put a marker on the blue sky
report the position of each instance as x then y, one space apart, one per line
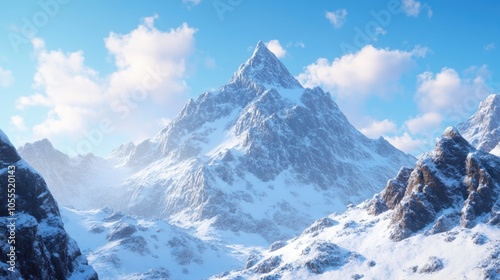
90 75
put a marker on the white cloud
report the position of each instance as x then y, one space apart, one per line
275 47
337 18
438 91
300 44
370 71
191 3
443 97
424 123
408 144
429 10
38 43
411 7
147 53
378 128
36 99
148 84
6 78
489 47
18 123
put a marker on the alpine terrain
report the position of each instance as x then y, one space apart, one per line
438 220
261 156
79 182
34 244
482 129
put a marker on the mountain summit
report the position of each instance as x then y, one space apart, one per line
482 129
241 158
261 155
266 69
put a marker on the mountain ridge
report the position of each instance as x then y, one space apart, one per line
427 216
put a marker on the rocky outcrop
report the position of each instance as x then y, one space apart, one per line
38 246
454 177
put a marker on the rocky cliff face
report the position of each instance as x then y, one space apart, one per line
454 184
34 242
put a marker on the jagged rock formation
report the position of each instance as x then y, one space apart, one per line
482 129
418 227
42 248
454 180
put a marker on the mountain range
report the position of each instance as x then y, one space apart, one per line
231 183
236 160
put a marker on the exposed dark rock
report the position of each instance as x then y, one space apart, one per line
120 231
267 265
453 176
320 225
43 249
153 274
396 188
252 260
479 239
326 255
434 264
277 245
444 223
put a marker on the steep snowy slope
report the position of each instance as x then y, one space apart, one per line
37 246
438 220
123 247
261 155
482 129
82 182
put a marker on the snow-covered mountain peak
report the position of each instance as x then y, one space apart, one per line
451 142
482 129
42 149
265 69
491 102
451 132
121 155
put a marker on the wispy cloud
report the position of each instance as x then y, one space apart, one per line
376 128
18 123
411 7
489 47
275 47
191 3
6 78
337 18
